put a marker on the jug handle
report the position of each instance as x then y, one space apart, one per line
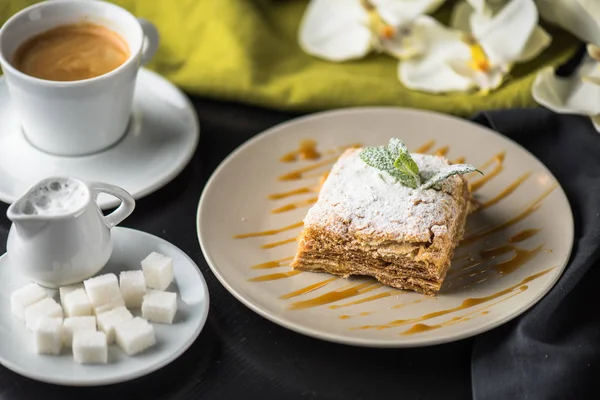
123 211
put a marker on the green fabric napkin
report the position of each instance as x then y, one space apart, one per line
247 50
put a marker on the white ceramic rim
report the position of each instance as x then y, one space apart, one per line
133 53
299 328
128 376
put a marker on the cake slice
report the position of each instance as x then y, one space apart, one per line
366 222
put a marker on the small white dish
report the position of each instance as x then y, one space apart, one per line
131 246
161 139
514 251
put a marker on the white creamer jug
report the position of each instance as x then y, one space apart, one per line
59 235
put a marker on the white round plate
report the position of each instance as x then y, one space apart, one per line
160 141
532 222
131 246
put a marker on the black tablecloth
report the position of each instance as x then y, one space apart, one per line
551 352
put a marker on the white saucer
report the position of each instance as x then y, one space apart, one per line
131 246
515 249
160 141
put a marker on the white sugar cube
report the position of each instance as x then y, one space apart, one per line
135 336
90 347
77 304
65 290
24 297
48 335
159 306
108 320
133 287
103 290
44 308
76 324
158 271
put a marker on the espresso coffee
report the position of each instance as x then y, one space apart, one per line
71 53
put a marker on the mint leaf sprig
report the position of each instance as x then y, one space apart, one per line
397 161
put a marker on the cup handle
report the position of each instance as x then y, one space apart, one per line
151 40
123 211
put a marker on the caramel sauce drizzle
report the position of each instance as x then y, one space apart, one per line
442 151
309 288
505 192
269 232
299 173
273 277
279 243
362 314
478 184
336 295
294 206
410 303
293 192
306 151
467 303
520 257
425 147
494 251
366 299
273 264
420 328
530 209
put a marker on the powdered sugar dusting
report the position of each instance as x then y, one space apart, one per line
358 199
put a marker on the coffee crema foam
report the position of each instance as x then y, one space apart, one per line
71 53
56 197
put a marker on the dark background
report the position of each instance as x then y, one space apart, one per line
240 355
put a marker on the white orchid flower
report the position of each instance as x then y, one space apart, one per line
480 55
580 17
340 30
578 93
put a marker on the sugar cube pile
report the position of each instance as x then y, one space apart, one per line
95 313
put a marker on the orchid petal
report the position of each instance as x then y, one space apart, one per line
573 17
592 7
538 42
487 7
505 36
461 16
569 95
433 72
335 30
399 12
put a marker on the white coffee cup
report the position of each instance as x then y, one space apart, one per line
76 117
